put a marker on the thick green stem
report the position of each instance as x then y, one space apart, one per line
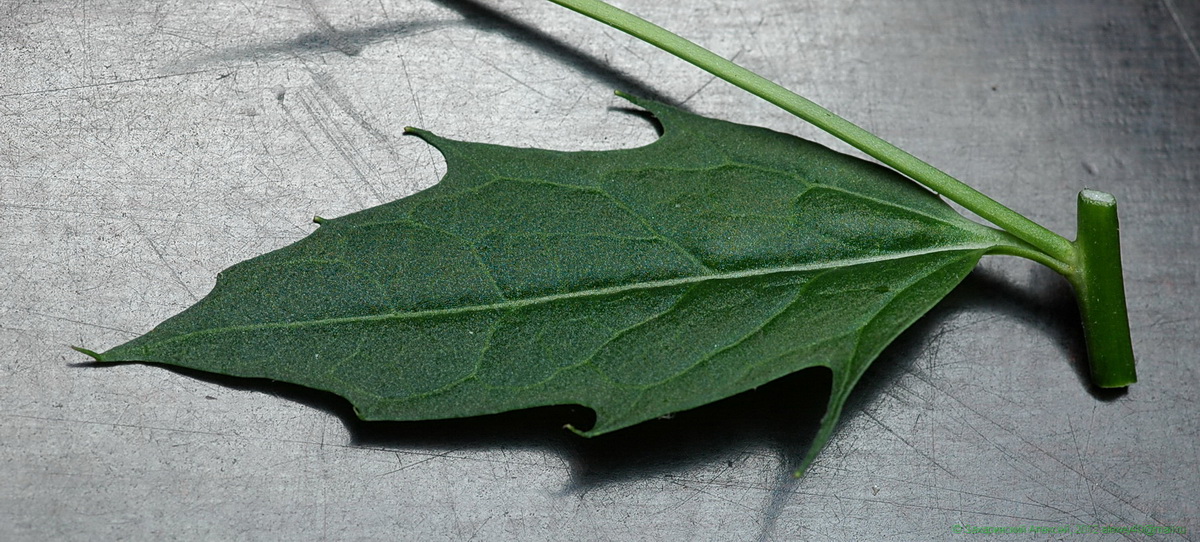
1100 291
1027 230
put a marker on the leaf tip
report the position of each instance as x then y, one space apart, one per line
419 132
426 136
807 462
95 356
649 105
571 428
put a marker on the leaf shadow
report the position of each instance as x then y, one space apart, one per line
779 418
782 416
1046 303
721 431
653 121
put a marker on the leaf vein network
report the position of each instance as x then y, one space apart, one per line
766 322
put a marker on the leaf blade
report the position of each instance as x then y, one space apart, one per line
636 282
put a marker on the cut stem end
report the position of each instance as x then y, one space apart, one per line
1100 291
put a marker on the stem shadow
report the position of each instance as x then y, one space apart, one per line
352 41
489 19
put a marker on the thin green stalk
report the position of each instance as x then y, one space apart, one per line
1023 228
1092 263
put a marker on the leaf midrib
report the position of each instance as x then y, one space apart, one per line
593 292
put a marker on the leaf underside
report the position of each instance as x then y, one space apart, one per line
634 282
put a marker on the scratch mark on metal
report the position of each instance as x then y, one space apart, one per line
910 504
80 322
513 77
919 451
408 81
1127 501
475 534
445 455
700 490
313 144
347 152
105 84
327 31
119 425
330 88
1079 455
1170 5
166 263
110 215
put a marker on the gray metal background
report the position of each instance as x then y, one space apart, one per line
146 145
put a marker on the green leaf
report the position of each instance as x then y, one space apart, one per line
634 282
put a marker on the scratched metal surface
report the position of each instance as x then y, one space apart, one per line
145 146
